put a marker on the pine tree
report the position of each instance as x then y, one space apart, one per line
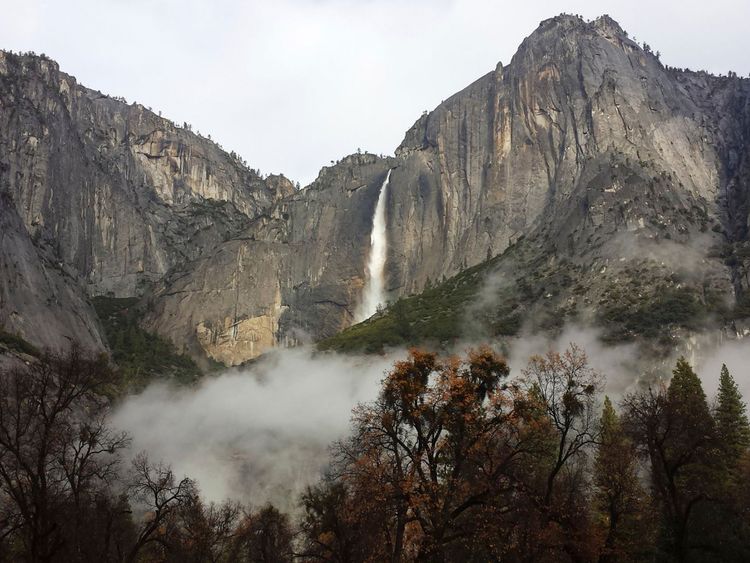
733 432
619 496
674 426
693 425
690 455
732 425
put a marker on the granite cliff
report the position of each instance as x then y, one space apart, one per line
584 179
585 144
115 193
295 274
606 187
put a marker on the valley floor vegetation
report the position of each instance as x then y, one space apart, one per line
454 461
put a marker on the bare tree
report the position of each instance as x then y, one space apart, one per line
263 537
567 389
157 491
54 449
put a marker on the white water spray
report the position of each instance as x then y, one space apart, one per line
374 292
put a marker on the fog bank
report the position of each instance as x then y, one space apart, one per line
263 433
255 435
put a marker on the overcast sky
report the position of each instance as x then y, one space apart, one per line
293 84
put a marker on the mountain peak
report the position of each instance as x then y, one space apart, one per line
562 20
608 25
582 145
563 24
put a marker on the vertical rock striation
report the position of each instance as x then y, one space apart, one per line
41 298
117 194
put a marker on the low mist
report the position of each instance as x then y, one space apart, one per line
618 363
254 435
263 433
626 365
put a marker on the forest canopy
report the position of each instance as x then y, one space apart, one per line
454 461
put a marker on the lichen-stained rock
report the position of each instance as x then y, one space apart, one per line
234 341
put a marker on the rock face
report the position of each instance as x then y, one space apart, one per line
41 298
124 194
523 141
584 143
584 138
119 194
294 274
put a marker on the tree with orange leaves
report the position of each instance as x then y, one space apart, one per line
428 466
455 461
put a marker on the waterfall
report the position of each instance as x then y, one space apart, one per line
374 291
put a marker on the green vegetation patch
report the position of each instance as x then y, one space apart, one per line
649 316
438 316
16 343
532 292
140 355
